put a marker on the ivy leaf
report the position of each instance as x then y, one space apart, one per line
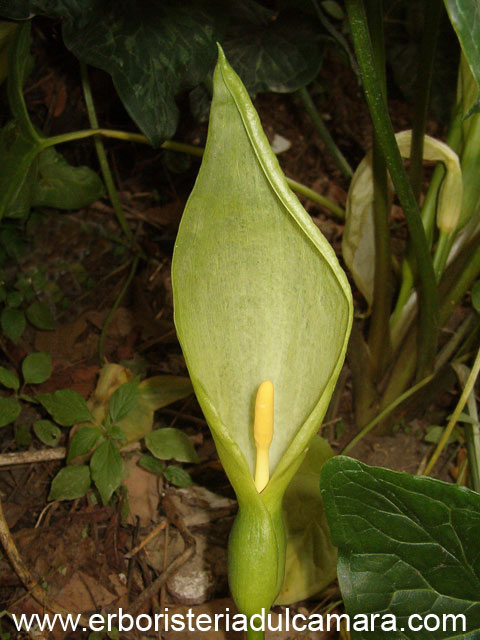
107 469
83 441
9 410
177 476
407 545
171 444
9 379
36 368
47 432
66 407
70 483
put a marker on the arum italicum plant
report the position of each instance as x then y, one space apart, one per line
261 305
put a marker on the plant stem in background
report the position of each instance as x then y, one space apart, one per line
379 330
324 134
386 139
102 156
458 410
433 10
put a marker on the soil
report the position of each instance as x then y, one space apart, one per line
78 551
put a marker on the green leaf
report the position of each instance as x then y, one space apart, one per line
40 316
258 293
62 186
9 410
116 433
465 18
311 561
123 401
476 296
107 469
47 432
151 464
13 324
177 476
36 368
82 442
171 444
9 379
66 407
280 54
160 391
14 299
407 545
23 435
70 483
152 54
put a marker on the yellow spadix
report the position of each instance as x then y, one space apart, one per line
263 433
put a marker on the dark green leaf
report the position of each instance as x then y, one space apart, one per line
62 186
282 55
70 483
14 299
40 316
152 54
13 323
465 18
311 558
171 444
407 545
177 476
83 441
9 410
36 368
151 464
107 469
476 296
124 400
13 242
66 407
9 379
47 432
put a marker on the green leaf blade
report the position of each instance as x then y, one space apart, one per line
47 432
171 444
66 407
9 411
83 441
70 483
124 400
407 545
9 379
36 368
107 469
13 324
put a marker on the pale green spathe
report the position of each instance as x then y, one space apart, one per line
258 290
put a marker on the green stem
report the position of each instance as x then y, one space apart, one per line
192 150
386 412
253 634
324 134
379 330
472 433
422 90
102 156
386 138
316 197
458 410
115 306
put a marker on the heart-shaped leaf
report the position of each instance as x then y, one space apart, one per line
407 545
